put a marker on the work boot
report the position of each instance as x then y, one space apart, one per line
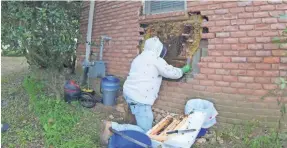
105 132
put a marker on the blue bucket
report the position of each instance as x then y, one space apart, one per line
202 132
116 141
110 86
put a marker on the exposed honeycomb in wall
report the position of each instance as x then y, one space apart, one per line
182 38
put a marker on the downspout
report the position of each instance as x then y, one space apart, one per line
89 32
87 63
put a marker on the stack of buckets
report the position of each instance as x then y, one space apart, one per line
110 86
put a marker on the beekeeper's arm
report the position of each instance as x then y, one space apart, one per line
168 71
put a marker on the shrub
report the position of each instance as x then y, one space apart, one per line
46 32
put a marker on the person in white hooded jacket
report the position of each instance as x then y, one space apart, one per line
143 83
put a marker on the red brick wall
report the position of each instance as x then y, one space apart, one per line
119 20
241 66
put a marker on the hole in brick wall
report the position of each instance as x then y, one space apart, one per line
143 25
196 58
201 51
141 10
205 18
205 30
194 13
179 43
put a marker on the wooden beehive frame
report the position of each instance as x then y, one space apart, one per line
169 123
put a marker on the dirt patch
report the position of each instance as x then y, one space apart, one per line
12 65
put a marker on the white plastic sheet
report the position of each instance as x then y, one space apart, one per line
203 106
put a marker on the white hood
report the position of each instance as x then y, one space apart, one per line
153 45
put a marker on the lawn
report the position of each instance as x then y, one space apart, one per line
25 130
37 119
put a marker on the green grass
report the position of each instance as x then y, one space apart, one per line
25 130
37 120
64 126
11 53
248 135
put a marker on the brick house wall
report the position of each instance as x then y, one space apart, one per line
119 20
242 63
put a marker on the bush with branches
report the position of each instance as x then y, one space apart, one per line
46 32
